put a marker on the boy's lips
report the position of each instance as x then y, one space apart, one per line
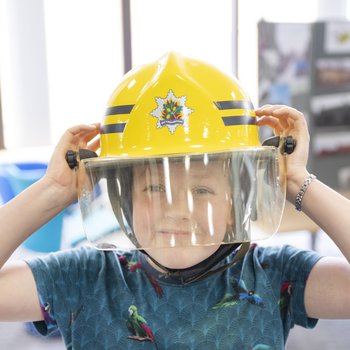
175 232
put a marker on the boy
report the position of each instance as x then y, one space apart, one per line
182 172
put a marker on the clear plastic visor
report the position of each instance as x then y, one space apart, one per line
182 201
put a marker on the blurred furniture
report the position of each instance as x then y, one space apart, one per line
307 66
6 192
16 177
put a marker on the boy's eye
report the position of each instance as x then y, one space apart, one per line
202 190
154 188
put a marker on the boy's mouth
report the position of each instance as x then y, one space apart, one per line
174 232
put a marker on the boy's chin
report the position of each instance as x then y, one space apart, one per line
179 258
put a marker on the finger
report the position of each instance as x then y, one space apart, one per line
72 134
82 138
90 140
73 137
267 109
296 120
273 109
94 145
88 135
75 130
272 122
289 117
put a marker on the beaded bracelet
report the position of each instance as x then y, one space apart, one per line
302 191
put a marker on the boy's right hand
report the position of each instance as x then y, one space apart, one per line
59 175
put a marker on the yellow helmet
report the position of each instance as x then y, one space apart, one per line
177 105
181 166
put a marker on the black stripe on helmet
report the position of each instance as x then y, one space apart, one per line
239 120
122 109
223 105
112 128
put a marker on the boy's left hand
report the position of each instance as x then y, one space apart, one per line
287 121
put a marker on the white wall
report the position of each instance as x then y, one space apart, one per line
85 59
60 61
197 28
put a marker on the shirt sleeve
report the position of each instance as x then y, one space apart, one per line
291 268
61 285
297 269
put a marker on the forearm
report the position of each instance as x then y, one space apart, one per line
26 213
329 210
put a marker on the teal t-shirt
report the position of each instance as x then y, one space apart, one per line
110 300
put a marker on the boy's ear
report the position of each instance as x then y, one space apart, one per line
232 214
230 220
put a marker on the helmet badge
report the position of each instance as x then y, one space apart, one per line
171 112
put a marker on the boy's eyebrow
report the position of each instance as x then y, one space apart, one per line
200 175
140 172
194 173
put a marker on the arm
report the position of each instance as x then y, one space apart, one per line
27 212
329 281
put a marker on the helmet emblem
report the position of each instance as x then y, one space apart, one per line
171 112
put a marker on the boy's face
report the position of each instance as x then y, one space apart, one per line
181 211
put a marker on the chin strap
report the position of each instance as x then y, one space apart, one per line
205 268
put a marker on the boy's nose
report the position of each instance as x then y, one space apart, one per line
179 204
